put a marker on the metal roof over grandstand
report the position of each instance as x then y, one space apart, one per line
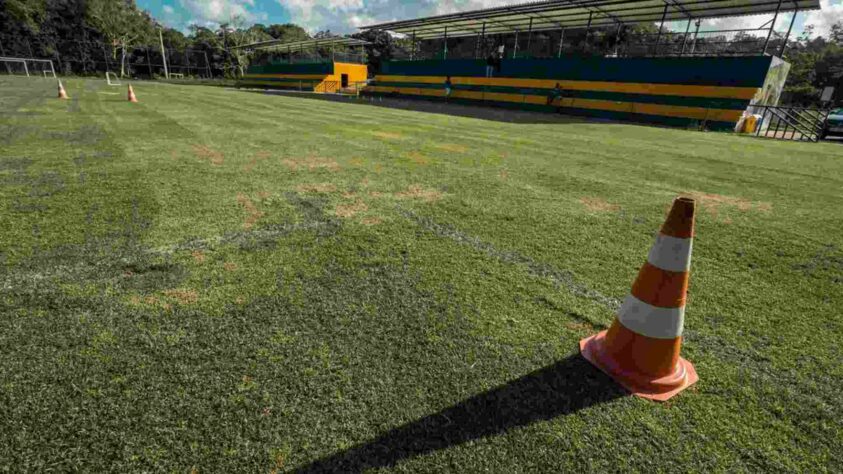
304 45
565 14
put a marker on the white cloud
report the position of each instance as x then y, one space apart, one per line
344 16
823 20
168 10
336 15
214 12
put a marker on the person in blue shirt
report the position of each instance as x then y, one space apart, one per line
555 94
448 87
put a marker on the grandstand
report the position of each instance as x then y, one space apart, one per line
585 58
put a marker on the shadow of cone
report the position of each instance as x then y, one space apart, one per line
132 97
641 349
62 93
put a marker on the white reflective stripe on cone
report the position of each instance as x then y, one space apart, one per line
651 321
671 254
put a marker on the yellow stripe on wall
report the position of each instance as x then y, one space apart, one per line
623 87
286 76
699 113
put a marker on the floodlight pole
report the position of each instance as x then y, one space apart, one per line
772 27
787 36
163 54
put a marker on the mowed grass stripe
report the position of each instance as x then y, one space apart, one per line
171 300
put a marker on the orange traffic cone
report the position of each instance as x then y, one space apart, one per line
62 93
132 97
641 349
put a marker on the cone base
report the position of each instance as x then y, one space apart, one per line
645 386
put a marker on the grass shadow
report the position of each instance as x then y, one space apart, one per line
557 390
433 106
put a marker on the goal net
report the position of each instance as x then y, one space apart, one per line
112 79
27 67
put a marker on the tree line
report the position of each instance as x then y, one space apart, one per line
93 36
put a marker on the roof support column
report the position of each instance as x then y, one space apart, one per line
482 51
661 28
561 41
588 27
530 35
618 40
445 45
696 33
515 49
772 26
413 47
787 36
685 38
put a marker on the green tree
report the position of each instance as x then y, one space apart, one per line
121 23
287 32
28 12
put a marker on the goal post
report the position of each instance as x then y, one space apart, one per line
112 79
28 67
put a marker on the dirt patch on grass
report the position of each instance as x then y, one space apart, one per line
372 221
316 188
263 195
416 191
260 156
581 327
375 194
252 212
503 174
311 163
598 205
182 296
418 158
230 266
351 210
198 256
452 147
713 203
388 135
205 153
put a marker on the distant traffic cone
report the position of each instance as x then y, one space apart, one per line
62 93
132 97
641 349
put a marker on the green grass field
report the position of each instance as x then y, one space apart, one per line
221 281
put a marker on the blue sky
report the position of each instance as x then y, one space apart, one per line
344 16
